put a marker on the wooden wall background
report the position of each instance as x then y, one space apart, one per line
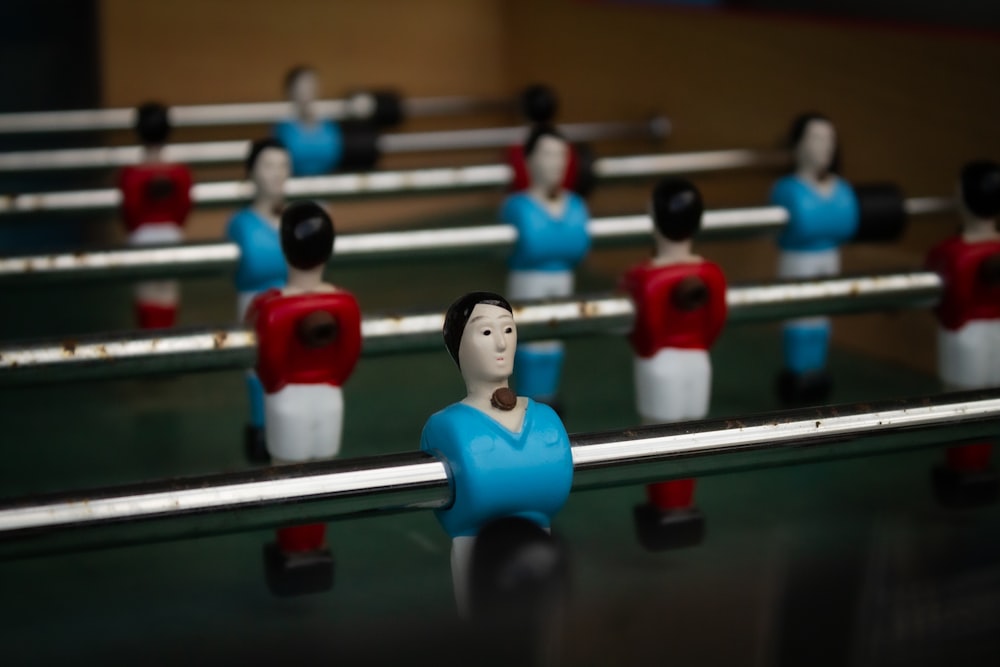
911 104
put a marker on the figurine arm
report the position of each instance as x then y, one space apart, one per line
717 305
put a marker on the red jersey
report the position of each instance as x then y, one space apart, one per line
970 292
678 305
155 193
284 353
515 158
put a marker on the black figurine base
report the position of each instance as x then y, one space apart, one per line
662 530
255 445
300 573
804 388
956 489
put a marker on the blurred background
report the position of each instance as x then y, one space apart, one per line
911 87
914 91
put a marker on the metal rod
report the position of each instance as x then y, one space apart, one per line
413 181
203 115
138 353
200 258
209 152
324 491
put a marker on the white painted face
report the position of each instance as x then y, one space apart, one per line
547 164
304 89
816 149
489 341
271 172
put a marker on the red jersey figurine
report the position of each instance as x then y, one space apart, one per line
156 200
308 342
969 331
680 309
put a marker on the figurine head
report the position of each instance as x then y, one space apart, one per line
307 235
481 337
979 188
539 104
269 167
546 153
301 85
676 208
152 124
813 142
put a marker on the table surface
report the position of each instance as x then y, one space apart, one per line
845 562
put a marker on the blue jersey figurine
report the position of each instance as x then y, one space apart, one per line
552 238
823 213
315 145
508 457
262 264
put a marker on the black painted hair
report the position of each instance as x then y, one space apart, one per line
537 132
152 124
539 104
307 235
458 316
798 130
258 147
293 75
677 209
980 182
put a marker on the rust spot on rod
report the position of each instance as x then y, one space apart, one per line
69 347
587 309
219 339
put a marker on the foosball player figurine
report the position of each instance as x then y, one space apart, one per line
509 461
320 145
539 105
156 200
969 331
680 306
308 341
261 264
552 239
825 212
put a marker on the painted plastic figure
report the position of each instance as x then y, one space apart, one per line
969 318
552 239
539 106
509 457
262 264
823 214
156 200
680 304
308 342
315 144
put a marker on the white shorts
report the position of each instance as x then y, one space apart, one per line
797 264
970 357
304 422
158 292
673 385
539 284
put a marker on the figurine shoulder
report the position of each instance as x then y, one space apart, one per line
515 207
441 428
239 223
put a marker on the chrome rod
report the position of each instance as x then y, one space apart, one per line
413 181
176 351
324 491
204 115
218 152
199 258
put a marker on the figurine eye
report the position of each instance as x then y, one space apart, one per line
487 332
509 330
